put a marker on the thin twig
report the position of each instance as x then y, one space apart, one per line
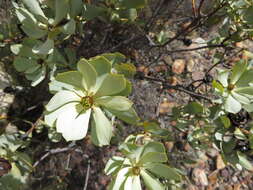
194 11
176 87
197 48
200 6
157 9
87 176
51 152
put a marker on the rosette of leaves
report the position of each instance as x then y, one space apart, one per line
35 66
85 97
57 18
146 162
236 87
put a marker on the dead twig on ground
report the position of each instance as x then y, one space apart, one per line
87 176
51 152
175 87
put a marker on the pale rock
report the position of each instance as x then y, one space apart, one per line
219 163
190 65
178 66
167 59
199 176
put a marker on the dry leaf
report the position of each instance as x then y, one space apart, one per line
213 177
166 106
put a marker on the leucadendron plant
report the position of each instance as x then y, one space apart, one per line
143 159
50 20
86 97
236 87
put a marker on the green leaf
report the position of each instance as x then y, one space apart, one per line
114 58
225 121
75 7
232 105
239 134
57 57
194 108
61 10
88 72
24 161
251 140
33 31
153 152
38 76
10 141
154 129
151 182
127 14
132 3
91 11
121 178
69 28
23 64
103 127
153 157
245 79
29 24
56 86
33 69
129 116
237 71
163 170
71 55
44 49
218 86
61 98
248 15
245 90
113 165
112 84
34 7
242 99
223 77
73 78
244 161
248 107
117 103
24 16
127 69
228 147
101 65
127 91
131 150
